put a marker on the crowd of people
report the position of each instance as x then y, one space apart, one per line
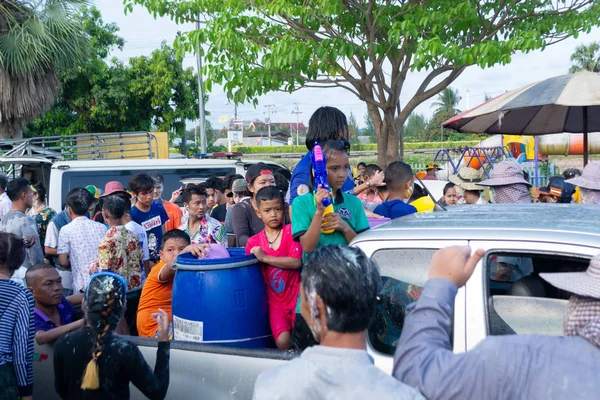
321 293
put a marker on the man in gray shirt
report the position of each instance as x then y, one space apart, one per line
17 222
338 297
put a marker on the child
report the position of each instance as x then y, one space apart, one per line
158 289
281 258
349 218
370 198
399 179
149 213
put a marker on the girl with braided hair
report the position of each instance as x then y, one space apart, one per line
95 363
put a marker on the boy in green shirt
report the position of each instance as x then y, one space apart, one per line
349 218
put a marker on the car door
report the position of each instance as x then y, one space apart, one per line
479 311
404 269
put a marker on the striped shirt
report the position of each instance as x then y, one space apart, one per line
16 332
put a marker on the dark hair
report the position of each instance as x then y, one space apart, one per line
157 178
125 198
12 251
32 269
79 200
3 181
114 206
418 192
214 183
175 234
191 190
347 281
140 183
269 193
571 173
16 187
326 123
229 179
371 169
41 190
281 182
473 192
285 173
331 146
397 174
448 186
361 164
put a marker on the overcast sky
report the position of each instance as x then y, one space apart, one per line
143 34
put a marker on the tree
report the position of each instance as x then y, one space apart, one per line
36 39
353 129
447 101
415 127
366 47
369 127
433 130
586 58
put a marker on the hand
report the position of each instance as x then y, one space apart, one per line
334 221
162 319
29 241
175 195
377 179
321 195
455 264
258 253
197 250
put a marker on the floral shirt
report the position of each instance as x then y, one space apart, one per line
120 252
42 217
210 231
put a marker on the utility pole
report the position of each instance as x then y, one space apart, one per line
201 96
270 110
297 112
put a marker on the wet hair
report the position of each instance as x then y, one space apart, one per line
125 198
12 251
114 206
269 193
347 281
31 270
371 169
571 173
229 179
16 187
175 234
41 190
448 186
104 306
141 183
361 164
418 192
214 183
157 178
397 174
79 200
191 190
332 148
281 182
326 123
3 181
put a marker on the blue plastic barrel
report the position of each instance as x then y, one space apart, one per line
222 301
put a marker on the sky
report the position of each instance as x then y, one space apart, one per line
143 34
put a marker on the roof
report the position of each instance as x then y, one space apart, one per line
556 223
152 163
255 141
266 133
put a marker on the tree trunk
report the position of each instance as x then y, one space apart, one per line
9 129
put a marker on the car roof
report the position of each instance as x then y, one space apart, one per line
560 223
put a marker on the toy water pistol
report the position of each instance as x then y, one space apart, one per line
320 174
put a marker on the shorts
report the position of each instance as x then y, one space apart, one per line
281 320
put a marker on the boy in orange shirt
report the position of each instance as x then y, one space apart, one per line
158 289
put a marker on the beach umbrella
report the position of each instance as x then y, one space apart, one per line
566 103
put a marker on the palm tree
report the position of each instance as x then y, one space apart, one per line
447 101
586 58
37 38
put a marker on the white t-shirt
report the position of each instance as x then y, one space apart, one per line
51 236
139 230
5 204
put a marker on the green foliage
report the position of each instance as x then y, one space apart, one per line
586 58
447 102
433 131
353 129
414 129
369 127
255 47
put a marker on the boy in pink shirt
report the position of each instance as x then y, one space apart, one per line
281 258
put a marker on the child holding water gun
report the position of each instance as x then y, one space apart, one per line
327 215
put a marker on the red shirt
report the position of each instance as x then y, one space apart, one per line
283 285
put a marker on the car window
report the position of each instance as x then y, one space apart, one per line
518 300
403 274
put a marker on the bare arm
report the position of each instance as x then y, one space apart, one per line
167 273
43 337
75 299
310 239
282 262
50 251
63 260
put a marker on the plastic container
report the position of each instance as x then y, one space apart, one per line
221 301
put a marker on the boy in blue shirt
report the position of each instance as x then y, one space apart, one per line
399 179
149 213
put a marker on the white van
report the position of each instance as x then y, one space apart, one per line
66 175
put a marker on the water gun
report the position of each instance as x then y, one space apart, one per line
320 174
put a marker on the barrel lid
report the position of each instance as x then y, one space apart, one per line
238 259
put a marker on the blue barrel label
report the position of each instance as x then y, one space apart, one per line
187 330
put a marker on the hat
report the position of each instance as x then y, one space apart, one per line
581 283
467 178
506 173
239 185
256 170
432 165
114 187
94 191
590 178
557 187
